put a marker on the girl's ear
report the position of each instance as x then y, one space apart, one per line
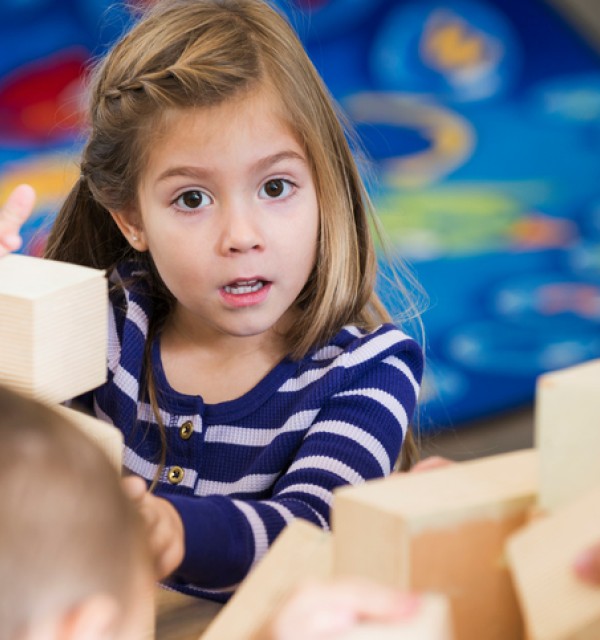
131 230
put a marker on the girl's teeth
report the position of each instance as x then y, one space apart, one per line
244 287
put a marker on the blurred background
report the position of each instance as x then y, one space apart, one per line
481 119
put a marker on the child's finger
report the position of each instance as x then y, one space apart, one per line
373 601
17 209
167 561
9 243
587 565
325 610
166 536
135 488
433 462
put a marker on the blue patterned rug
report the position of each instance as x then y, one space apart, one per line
482 120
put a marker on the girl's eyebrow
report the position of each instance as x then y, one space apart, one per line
265 163
260 165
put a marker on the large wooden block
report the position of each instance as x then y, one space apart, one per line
556 604
567 416
301 552
442 531
107 437
431 622
53 327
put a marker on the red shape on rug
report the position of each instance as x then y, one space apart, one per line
40 102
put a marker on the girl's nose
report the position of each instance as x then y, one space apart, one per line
240 232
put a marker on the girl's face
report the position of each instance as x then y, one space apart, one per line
229 213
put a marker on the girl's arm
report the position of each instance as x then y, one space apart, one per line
355 437
15 212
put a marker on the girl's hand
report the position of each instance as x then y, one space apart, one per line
17 209
163 525
322 611
587 565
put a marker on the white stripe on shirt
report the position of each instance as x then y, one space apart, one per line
362 354
146 414
136 314
395 362
326 463
242 436
384 398
284 512
138 465
114 346
358 435
317 515
253 483
126 383
147 470
310 489
353 330
328 352
261 539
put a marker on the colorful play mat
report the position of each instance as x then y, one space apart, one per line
482 120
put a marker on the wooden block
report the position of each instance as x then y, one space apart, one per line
107 437
301 552
567 415
555 603
443 531
53 327
431 622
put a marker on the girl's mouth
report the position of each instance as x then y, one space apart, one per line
246 293
244 287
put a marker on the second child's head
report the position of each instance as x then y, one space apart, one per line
219 153
73 562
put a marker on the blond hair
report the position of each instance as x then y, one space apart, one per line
68 531
195 53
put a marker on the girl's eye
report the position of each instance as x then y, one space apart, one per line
276 188
192 200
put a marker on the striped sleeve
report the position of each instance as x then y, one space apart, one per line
355 436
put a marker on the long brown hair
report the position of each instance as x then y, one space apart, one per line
195 53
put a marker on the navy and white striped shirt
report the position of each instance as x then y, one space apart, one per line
247 467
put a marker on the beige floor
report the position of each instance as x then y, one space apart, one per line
499 434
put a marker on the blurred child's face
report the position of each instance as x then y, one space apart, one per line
102 617
230 215
138 619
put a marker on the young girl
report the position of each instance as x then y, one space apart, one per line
252 368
